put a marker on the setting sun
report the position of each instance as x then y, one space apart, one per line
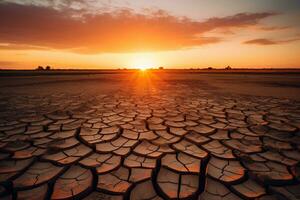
143 68
143 62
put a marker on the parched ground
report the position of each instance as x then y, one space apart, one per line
144 135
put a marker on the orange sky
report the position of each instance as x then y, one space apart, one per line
173 34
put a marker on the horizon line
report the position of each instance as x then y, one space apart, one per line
164 68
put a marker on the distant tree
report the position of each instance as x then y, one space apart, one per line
209 68
161 68
40 68
48 68
228 67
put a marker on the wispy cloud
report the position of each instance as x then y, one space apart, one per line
264 41
274 28
72 29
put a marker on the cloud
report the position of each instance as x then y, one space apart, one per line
122 30
10 46
264 41
274 28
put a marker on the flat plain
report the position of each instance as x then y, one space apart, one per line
155 134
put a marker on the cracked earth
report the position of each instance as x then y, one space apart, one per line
149 141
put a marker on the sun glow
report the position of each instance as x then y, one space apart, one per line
142 68
143 62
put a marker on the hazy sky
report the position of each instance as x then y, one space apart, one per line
144 33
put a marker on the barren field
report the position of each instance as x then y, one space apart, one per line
149 135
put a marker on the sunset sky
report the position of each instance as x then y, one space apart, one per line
91 34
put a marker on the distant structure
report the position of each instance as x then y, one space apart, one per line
209 68
40 68
161 68
228 67
48 68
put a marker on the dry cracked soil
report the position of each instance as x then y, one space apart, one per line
144 135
